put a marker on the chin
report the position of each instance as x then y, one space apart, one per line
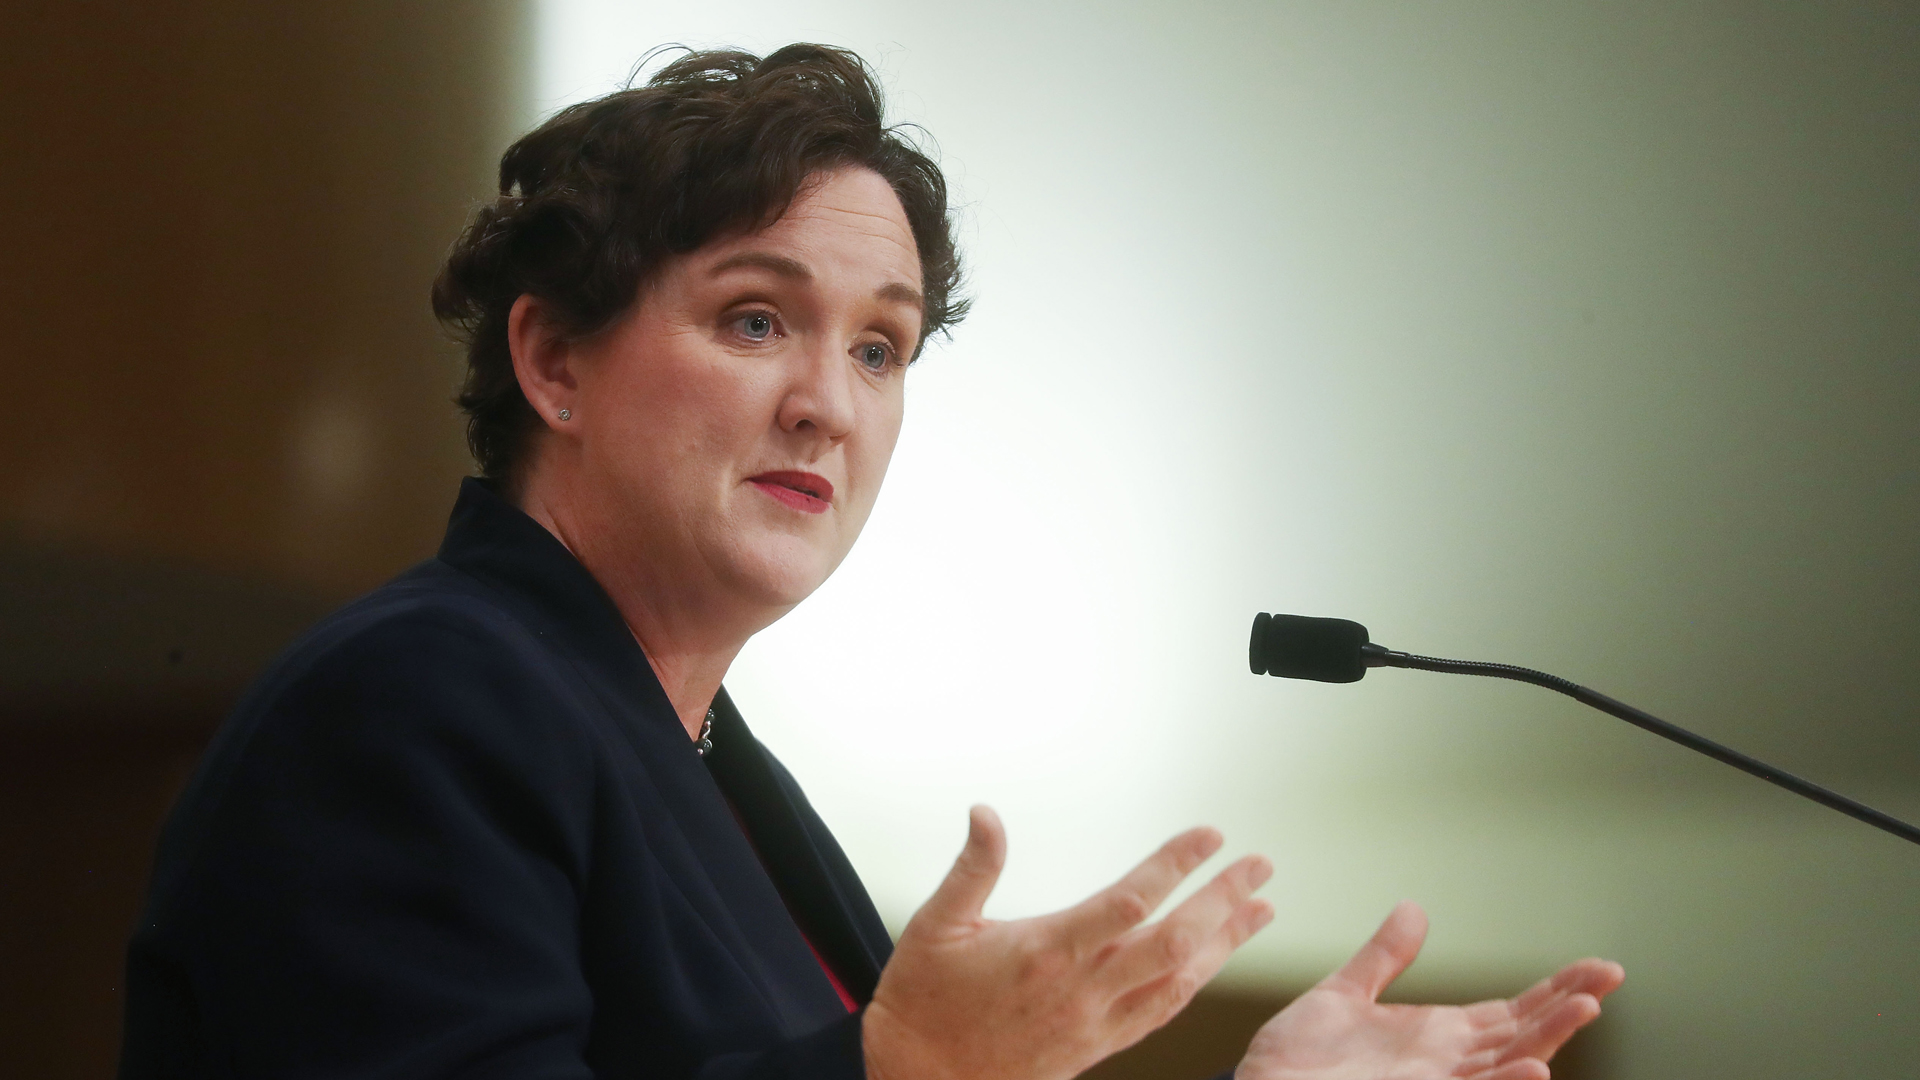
780 574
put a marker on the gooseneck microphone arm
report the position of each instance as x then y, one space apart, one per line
1377 656
1336 650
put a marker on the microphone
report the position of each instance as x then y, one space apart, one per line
1340 651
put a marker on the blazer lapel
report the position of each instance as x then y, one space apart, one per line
547 588
808 867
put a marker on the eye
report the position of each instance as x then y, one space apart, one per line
754 325
874 356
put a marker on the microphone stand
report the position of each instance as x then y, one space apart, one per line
1374 656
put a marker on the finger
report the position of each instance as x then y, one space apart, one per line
1520 1069
1498 1023
1492 1022
1611 976
1543 1036
1248 919
1539 1036
1385 956
1147 1007
960 897
1599 977
1589 976
1197 929
1126 903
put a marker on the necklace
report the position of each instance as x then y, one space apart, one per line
706 735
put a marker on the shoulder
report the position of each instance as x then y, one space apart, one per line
433 645
419 699
433 656
431 611
404 813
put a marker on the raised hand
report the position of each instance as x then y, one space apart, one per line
968 998
1338 1031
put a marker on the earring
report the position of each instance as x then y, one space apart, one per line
566 414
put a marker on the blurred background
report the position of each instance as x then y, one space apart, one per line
1585 337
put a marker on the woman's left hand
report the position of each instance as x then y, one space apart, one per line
1338 1031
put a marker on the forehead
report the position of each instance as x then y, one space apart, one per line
847 221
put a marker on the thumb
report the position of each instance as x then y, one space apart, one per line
1390 951
960 897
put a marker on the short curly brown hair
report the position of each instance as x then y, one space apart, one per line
592 201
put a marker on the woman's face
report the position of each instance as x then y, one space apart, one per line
735 426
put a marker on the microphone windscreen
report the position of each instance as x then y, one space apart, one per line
1298 647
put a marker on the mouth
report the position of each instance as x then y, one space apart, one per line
806 492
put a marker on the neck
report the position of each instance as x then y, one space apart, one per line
682 621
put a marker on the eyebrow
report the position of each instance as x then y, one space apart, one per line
902 294
779 264
895 291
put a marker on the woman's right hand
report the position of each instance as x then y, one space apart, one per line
968 998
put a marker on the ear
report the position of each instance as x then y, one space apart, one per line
543 361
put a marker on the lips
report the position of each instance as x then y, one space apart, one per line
804 491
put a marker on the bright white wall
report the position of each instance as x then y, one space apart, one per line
1575 337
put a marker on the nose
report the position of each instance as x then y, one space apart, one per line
819 396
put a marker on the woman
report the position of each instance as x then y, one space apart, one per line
499 817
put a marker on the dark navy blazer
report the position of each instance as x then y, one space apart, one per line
457 830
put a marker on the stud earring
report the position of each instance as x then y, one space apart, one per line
566 414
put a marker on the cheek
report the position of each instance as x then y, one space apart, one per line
879 433
729 408
681 412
